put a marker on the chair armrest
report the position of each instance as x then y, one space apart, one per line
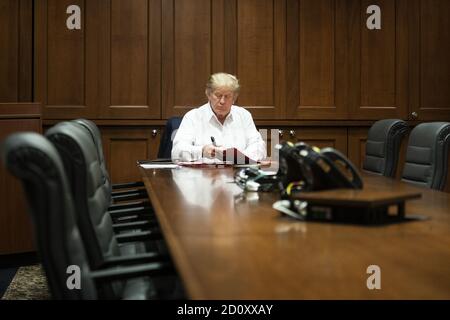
127 185
128 192
120 206
130 196
126 219
120 273
135 259
133 214
142 225
129 211
138 236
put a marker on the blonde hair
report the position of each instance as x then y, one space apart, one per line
222 80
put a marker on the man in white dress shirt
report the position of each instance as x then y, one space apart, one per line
218 125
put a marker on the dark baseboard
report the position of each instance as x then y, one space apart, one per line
18 260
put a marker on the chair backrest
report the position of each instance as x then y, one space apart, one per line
383 146
35 161
96 136
80 159
165 146
427 155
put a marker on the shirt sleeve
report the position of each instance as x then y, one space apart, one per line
184 148
256 147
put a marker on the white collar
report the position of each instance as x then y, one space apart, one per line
212 115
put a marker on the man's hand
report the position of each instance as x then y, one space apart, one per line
209 151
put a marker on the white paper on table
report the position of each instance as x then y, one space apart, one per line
159 166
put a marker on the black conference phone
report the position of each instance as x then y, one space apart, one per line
303 168
316 169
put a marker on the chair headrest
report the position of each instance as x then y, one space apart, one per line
383 128
95 134
77 148
429 134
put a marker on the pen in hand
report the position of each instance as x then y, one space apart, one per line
213 141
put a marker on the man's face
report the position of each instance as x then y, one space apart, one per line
221 101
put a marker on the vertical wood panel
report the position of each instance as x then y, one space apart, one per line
192 51
131 47
292 57
187 48
230 39
60 57
357 138
16 41
379 75
255 55
9 44
66 58
97 67
124 146
154 59
317 44
260 57
280 65
167 59
414 56
123 155
15 223
434 60
378 49
40 54
218 35
25 51
129 56
108 69
317 59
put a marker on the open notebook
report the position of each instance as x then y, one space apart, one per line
205 163
228 157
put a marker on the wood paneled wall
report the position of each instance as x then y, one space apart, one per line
308 66
108 69
124 146
16 232
429 59
16 50
296 59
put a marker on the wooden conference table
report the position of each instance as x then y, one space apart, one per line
228 245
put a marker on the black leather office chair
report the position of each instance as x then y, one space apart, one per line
120 200
383 146
119 191
427 155
36 162
81 163
165 146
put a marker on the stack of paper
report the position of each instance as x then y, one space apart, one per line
159 165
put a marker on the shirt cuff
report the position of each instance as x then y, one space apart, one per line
196 152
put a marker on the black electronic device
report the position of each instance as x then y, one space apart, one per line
303 168
307 168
